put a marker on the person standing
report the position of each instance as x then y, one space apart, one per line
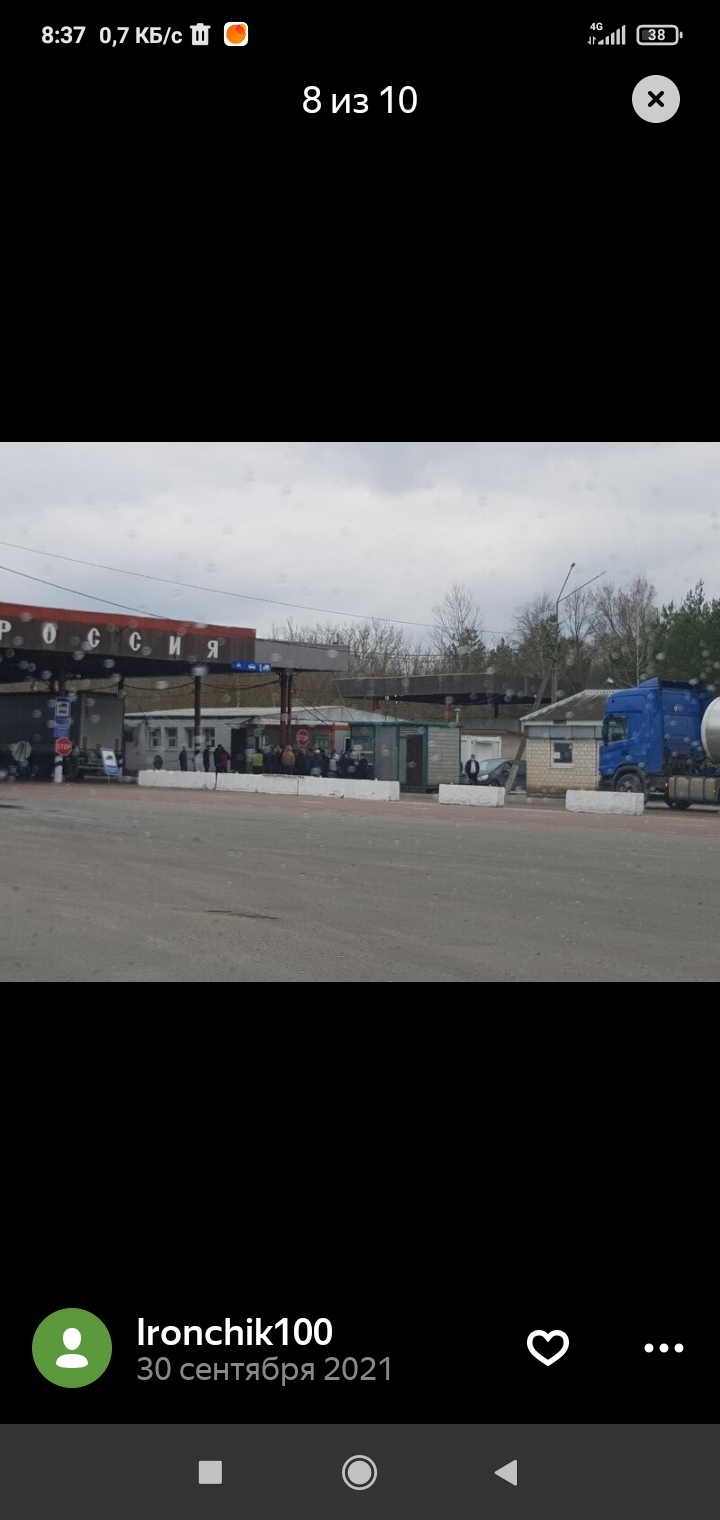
472 771
288 761
183 758
257 762
333 763
206 757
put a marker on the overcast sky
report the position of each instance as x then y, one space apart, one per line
354 528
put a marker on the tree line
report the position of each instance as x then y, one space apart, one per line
610 635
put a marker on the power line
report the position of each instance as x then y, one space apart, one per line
122 606
212 590
165 580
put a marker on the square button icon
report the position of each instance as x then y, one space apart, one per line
209 1472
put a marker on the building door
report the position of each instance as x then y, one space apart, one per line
412 760
238 741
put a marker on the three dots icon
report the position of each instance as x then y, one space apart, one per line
664 1347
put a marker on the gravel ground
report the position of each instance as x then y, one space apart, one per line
108 884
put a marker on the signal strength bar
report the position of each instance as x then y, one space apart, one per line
614 37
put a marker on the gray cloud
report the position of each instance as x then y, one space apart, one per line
364 528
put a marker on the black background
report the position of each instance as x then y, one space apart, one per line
185 188
456 1341
495 93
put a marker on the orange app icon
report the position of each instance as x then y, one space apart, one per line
236 34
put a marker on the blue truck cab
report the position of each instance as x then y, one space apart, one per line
653 743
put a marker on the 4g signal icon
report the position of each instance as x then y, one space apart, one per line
612 38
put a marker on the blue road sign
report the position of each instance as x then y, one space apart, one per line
61 724
249 665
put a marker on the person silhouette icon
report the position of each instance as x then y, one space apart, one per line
71 1339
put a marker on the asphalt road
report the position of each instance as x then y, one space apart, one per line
117 884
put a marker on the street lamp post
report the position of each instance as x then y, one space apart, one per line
556 651
560 599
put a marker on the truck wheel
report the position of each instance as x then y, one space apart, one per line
630 782
678 802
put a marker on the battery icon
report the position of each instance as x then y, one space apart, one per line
658 36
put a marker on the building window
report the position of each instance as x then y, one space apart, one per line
562 754
209 737
156 738
171 738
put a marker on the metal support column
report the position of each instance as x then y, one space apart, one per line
197 736
283 709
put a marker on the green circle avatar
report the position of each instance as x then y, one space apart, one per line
71 1348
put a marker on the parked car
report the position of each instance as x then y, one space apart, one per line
496 772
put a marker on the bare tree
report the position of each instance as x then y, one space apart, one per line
376 647
576 639
536 634
457 637
624 627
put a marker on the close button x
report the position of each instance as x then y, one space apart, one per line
656 98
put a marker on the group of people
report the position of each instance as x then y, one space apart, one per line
280 761
218 756
298 762
316 762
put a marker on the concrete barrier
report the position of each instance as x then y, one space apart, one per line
379 791
334 786
320 786
196 781
278 786
473 796
632 803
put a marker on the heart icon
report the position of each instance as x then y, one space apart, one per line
547 1335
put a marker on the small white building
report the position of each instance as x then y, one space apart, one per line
563 743
239 729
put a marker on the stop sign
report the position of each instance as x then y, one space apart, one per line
303 738
63 746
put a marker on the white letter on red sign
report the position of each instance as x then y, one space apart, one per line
213 649
4 627
135 641
93 638
49 633
174 643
